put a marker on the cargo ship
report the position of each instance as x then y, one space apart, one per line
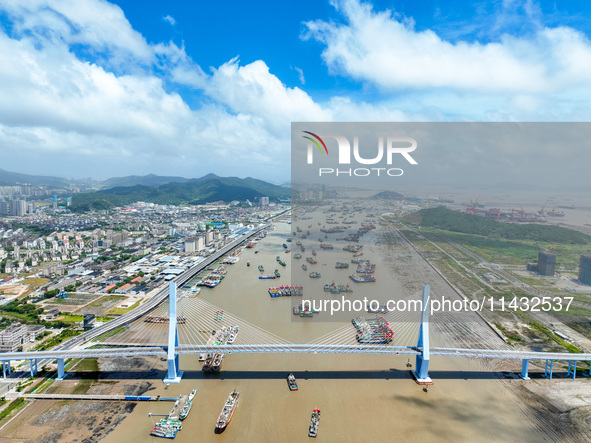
227 412
314 422
291 382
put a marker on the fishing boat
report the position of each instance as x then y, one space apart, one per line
208 362
247 263
217 362
304 267
227 412
192 394
291 382
314 422
261 268
185 410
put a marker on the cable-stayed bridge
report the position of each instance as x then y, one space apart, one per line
186 328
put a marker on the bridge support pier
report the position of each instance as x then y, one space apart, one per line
524 366
6 367
61 373
33 366
548 371
421 373
173 375
572 368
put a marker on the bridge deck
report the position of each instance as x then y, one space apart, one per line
293 348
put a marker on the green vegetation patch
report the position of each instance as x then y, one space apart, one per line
121 311
106 335
66 334
448 220
14 406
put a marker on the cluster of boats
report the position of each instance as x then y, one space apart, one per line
214 278
365 267
166 428
286 291
169 427
304 309
233 257
281 262
333 288
315 275
372 331
364 271
353 248
188 405
273 276
326 246
342 265
311 260
212 361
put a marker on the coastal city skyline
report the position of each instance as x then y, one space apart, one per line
93 81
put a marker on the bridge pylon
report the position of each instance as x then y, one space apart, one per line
421 373
173 375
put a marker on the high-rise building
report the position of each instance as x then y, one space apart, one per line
18 207
585 269
54 202
264 201
199 242
546 264
190 245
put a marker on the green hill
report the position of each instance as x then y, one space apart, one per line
448 220
145 180
209 188
8 178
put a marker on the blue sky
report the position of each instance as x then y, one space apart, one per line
97 88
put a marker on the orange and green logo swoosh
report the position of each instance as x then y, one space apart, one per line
315 142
